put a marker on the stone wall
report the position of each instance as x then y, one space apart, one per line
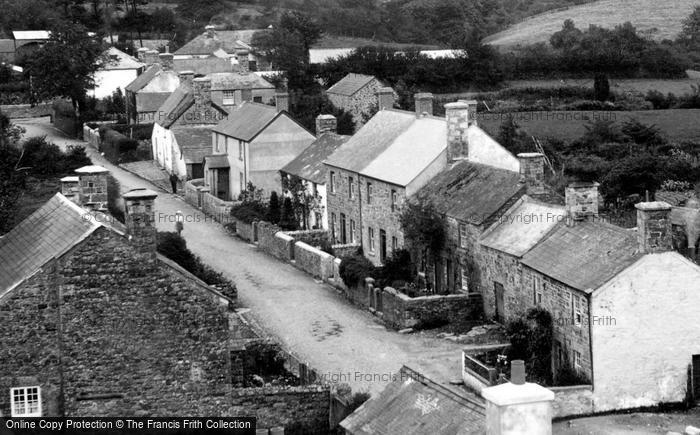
313 261
192 192
339 202
342 251
91 136
13 111
66 124
300 410
573 400
217 208
244 230
358 103
401 311
505 269
273 241
313 238
378 215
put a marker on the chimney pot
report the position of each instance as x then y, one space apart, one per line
517 372
210 30
326 124
532 172
581 201
424 104
282 101
654 230
385 98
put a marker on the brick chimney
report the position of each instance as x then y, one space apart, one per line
457 117
532 172
654 232
140 219
282 101
385 98
242 58
186 78
201 89
166 60
581 201
326 124
518 407
141 54
424 104
92 187
151 57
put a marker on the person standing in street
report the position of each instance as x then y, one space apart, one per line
173 182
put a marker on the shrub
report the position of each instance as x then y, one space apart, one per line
288 219
116 141
356 400
46 158
568 376
273 209
114 204
354 269
531 341
396 268
249 212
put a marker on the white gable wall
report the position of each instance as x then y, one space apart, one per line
642 358
107 81
485 150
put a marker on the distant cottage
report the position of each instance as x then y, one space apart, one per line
357 95
146 93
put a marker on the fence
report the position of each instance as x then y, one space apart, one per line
475 374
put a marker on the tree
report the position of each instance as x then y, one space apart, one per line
288 219
690 34
65 66
12 175
424 227
601 87
273 210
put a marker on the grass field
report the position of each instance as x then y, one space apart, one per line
675 86
676 124
661 18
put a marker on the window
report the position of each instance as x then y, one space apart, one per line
229 98
333 226
257 99
394 244
241 150
578 317
465 277
369 193
393 200
577 361
25 402
332 182
463 236
351 188
353 234
536 290
371 239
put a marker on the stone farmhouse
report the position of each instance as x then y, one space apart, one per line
95 323
232 45
182 132
251 145
309 167
146 93
357 95
117 73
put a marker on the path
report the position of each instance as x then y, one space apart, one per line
337 339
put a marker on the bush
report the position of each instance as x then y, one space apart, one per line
114 204
531 341
116 141
354 269
46 159
396 268
249 212
356 400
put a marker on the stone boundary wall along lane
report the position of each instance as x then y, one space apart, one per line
317 263
275 242
572 400
401 311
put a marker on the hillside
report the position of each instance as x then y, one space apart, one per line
662 19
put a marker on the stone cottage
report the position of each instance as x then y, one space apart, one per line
309 167
685 217
370 177
357 95
624 306
93 322
147 92
251 145
232 45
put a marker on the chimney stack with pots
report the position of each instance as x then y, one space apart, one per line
654 233
210 31
424 104
151 57
326 124
242 58
166 60
457 119
385 98
92 187
581 201
140 220
141 54
282 101
186 78
532 172
201 89
518 407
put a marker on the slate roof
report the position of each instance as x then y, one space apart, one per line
120 60
144 78
523 226
472 192
413 404
50 231
194 142
217 161
350 84
247 120
584 256
227 40
236 80
309 164
677 199
31 34
174 106
204 66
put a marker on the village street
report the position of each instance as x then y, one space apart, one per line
308 317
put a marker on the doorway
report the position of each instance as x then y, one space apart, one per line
382 246
498 289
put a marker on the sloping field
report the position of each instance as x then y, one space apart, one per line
675 86
676 124
662 18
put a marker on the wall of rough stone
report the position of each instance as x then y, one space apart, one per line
192 191
573 400
215 207
359 103
313 261
273 241
499 267
310 237
379 216
340 202
300 410
244 230
131 327
342 251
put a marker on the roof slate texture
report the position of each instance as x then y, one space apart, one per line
217 161
472 192
309 164
246 121
227 40
413 404
584 256
350 84
523 226
394 146
144 78
236 80
50 231
120 60
174 106
194 142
